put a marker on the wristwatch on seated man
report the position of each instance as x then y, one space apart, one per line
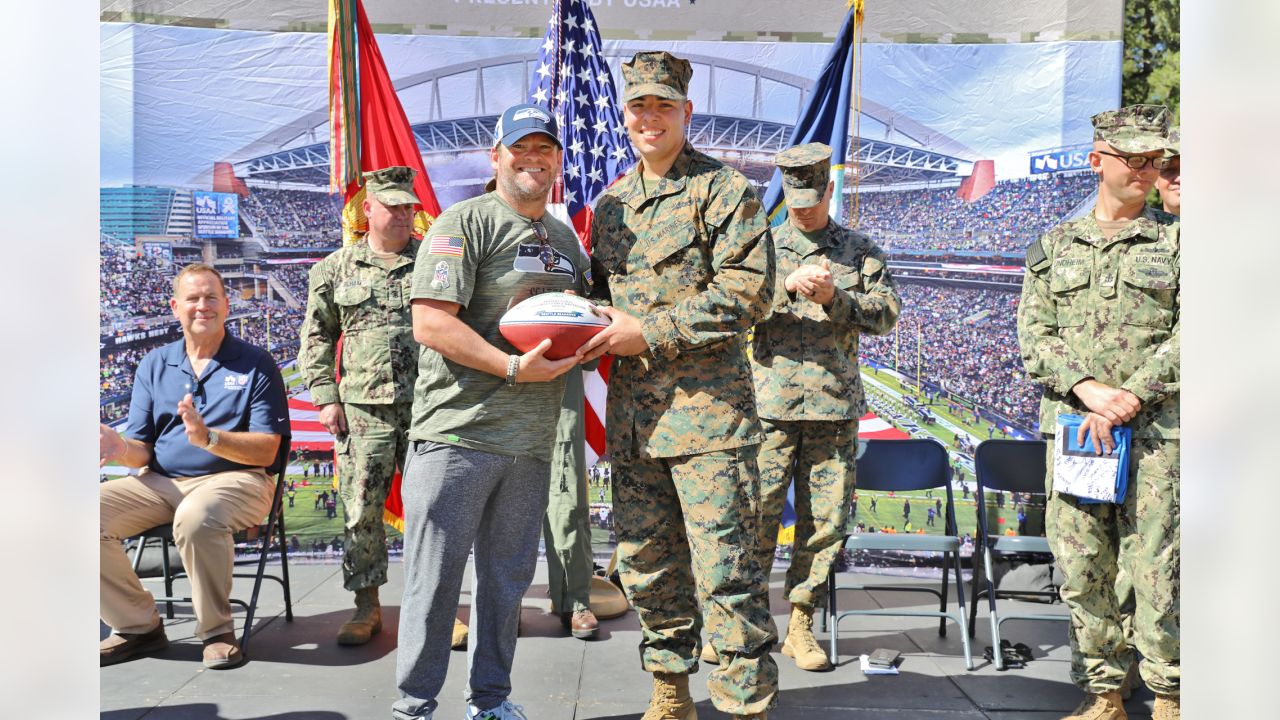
213 439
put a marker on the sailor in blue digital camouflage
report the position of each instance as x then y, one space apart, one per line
360 293
1099 327
833 285
683 255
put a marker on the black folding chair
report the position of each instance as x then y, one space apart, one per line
901 465
1014 466
275 523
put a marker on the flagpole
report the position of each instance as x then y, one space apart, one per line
850 203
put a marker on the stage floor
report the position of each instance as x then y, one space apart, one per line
296 671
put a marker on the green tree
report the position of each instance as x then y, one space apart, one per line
1151 53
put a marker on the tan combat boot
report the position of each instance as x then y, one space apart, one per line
1100 706
801 644
459 639
1168 707
670 699
367 621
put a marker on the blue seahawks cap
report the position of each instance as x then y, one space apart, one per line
525 119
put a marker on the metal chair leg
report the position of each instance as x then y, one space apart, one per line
835 619
284 568
168 577
942 606
996 651
964 637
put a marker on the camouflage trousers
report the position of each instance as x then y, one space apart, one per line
566 528
1092 543
819 456
688 528
367 457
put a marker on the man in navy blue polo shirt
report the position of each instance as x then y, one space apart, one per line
205 425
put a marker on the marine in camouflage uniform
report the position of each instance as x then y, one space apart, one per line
1098 325
362 296
832 285
685 254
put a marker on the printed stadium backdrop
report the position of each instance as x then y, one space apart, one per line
967 142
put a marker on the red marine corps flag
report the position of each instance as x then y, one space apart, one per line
368 131
573 80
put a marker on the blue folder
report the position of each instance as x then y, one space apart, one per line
1121 436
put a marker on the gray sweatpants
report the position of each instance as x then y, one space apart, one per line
453 498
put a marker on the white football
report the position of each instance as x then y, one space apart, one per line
567 320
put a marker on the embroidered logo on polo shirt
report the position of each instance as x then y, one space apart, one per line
232 381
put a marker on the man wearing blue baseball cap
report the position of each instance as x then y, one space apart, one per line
483 424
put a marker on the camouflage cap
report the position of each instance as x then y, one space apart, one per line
1133 128
656 73
806 170
1173 143
392 185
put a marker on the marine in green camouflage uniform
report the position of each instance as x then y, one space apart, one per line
1098 325
361 295
832 285
682 250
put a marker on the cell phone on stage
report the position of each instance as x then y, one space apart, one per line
884 658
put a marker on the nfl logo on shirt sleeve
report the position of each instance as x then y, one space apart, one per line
445 245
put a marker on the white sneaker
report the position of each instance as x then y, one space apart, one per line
506 711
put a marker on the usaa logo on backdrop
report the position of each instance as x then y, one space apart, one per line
1061 159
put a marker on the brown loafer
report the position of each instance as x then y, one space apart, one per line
222 653
119 647
583 624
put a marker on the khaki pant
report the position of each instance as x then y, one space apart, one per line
205 511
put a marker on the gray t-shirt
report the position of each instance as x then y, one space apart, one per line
483 255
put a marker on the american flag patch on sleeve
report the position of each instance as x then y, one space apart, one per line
445 245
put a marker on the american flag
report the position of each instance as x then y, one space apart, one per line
573 81
444 245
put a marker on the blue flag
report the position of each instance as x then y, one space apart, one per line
825 118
